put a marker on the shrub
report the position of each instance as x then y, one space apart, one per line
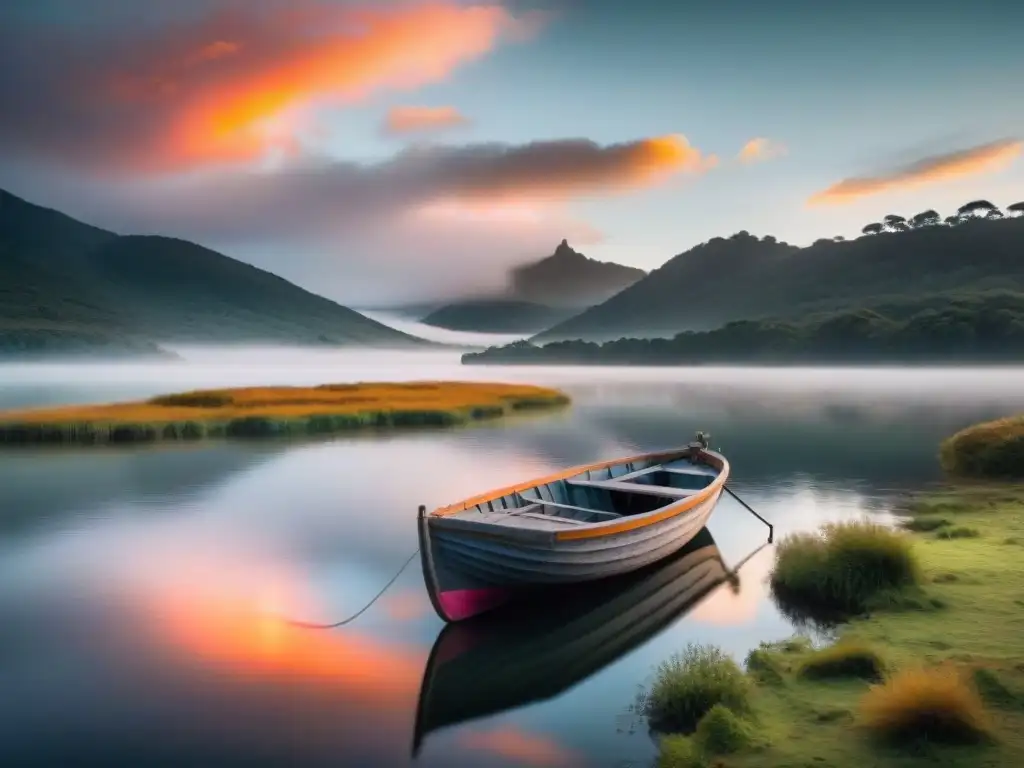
925 524
935 705
844 659
690 683
994 449
839 570
721 732
679 752
762 667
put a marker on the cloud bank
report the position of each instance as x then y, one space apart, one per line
984 158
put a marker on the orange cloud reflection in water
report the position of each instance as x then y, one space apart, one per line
231 617
524 749
727 607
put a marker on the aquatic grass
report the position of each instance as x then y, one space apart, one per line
993 449
260 412
934 705
850 659
843 569
690 683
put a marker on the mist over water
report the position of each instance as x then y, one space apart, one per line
141 588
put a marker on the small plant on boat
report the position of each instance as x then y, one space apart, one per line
934 705
848 658
690 683
843 569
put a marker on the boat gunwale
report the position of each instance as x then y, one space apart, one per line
612 527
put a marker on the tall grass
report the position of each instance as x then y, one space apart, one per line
935 705
994 449
841 569
844 659
272 411
690 683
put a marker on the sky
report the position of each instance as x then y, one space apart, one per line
386 152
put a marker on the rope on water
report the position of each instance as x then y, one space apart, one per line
361 611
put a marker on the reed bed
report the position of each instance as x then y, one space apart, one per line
254 412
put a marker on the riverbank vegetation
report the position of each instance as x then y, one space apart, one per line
924 666
986 328
275 411
994 449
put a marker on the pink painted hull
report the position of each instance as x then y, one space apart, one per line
459 604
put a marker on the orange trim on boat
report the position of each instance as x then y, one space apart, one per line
461 506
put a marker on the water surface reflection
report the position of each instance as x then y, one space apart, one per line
142 591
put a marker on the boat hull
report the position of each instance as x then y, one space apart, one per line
469 573
516 657
510 564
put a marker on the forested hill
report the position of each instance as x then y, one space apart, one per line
976 329
745 277
66 286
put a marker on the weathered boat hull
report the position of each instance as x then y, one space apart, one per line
472 564
516 657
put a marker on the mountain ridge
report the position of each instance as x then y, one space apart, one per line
698 290
62 279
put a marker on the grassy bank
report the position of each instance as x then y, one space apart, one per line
994 449
275 411
928 662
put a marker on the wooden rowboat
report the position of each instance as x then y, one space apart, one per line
534 652
582 524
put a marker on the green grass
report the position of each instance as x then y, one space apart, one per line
689 684
846 659
952 693
844 569
260 412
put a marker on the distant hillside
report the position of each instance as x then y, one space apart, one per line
567 278
66 286
539 295
744 277
497 316
976 329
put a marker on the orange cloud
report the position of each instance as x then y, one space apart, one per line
404 120
572 168
234 85
524 748
759 149
986 158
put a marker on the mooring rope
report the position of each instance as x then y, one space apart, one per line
361 611
750 509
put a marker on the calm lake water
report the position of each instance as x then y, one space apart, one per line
139 588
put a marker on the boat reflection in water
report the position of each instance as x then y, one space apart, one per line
535 650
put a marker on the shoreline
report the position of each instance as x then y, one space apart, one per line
966 617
